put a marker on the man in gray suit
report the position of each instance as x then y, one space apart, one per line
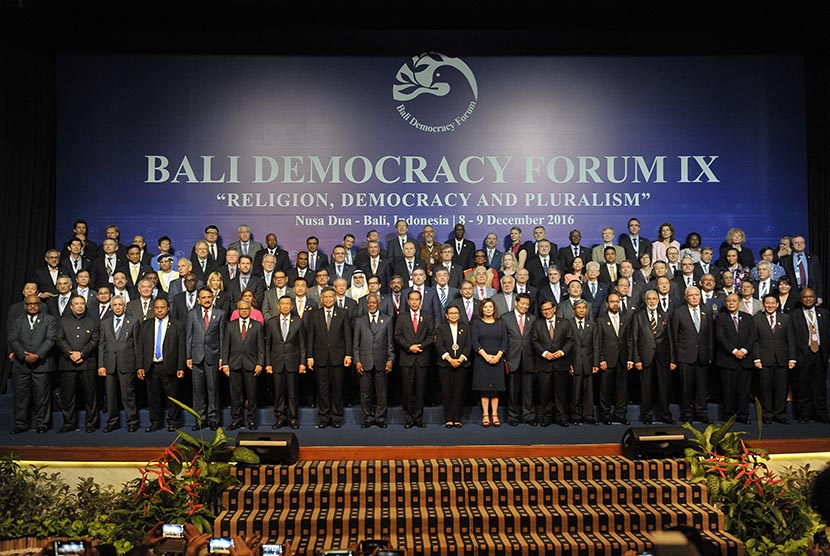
245 245
118 359
505 300
374 355
31 337
285 356
519 359
204 332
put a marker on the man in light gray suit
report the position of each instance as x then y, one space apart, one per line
505 300
204 332
31 337
374 355
245 245
118 358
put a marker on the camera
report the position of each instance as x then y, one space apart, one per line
172 531
74 547
272 550
220 545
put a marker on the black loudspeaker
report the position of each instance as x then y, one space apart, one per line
271 447
654 442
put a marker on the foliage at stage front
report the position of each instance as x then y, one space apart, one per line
184 485
770 513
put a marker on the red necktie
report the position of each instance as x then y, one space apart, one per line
522 325
244 330
481 290
207 319
802 273
415 322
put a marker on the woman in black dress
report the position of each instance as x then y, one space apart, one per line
452 342
787 300
489 337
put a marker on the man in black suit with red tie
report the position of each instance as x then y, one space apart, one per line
519 360
774 355
692 346
243 358
205 331
553 344
414 337
285 358
570 252
734 342
812 336
328 353
649 348
163 356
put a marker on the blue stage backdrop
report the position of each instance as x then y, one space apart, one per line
315 145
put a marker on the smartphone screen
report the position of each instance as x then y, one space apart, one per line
69 548
272 550
172 531
220 545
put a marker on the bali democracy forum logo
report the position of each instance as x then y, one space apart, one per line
423 86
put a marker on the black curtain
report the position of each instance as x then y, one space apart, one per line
27 169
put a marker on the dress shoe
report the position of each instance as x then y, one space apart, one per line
407 425
132 428
382 425
110 428
153 428
171 428
563 424
20 430
234 425
545 423
607 422
90 429
532 423
576 422
67 428
365 425
421 425
336 425
782 420
513 422
279 424
624 421
321 426
41 429
294 425
213 425
646 421
591 422
252 426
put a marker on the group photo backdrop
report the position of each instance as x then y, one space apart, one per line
315 145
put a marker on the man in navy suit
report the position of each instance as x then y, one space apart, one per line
692 344
443 290
339 268
374 355
328 353
414 336
594 291
734 342
119 355
31 337
464 249
774 355
634 244
163 356
204 332
285 357
243 358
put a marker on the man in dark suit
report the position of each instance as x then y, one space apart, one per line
667 300
407 263
430 303
132 268
685 278
285 357
519 360
583 364
455 271
142 307
230 270
328 353
609 269
394 247
59 304
77 343
612 357
414 336
339 268
464 249
163 356
734 341
374 265
281 258
82 281
106 264
804 269
247 280
594 291
215 252
552 290
102 305
204 333
46 276
185 301
363 252
494 256
706 266
466 302
553 344
812 339
539 266
301 270
374 356
649 348
443 291
243 358
75 263
202 262
31 337
280 288
692 344
774 355
317 260
119 354
568 253
634 244
505 300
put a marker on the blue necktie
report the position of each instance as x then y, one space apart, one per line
158 340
